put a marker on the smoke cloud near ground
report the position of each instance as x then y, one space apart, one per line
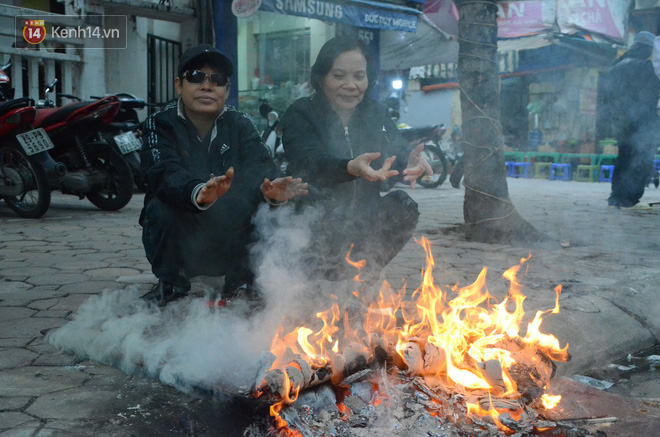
189 345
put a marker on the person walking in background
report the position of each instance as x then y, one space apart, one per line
632 93
206 172
345 144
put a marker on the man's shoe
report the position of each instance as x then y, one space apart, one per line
245 292
164 293
639 206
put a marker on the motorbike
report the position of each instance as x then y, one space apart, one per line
94 169
430 136
453 149
25 165
123 132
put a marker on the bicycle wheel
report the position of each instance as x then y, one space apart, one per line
438 162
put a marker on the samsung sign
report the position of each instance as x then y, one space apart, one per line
352 14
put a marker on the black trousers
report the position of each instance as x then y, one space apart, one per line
378 230
634 165
180 244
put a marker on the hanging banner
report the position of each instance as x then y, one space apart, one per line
522 18
606 17
357 13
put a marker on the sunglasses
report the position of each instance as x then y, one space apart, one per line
198 77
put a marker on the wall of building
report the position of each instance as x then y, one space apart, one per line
431 108
126 70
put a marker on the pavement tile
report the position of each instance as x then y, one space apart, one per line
14 403
13 357
58 279
144 278
53 314
70 302
22 244
11 419
25 272
31 327
36 381
43 304
15 341
91 287
74 403
81 265
24 297
9 287
110 272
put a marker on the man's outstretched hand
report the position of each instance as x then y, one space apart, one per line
215 187
283 189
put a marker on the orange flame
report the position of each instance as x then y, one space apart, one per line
550 401
471 339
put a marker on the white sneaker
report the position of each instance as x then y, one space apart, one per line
639 206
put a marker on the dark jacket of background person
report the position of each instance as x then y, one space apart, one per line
318 147
631 106
172 170
632 92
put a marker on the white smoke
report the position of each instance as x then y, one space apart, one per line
188 344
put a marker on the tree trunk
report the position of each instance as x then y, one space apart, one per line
488 212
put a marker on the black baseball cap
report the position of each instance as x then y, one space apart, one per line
213 56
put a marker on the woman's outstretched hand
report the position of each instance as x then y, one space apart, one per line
360 167
283 189
417 166
215 187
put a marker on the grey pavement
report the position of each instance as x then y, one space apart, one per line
606 261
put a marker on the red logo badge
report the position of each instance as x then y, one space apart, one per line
34 31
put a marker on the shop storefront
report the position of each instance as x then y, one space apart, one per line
550 54
278 42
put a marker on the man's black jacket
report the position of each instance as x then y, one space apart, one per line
174 160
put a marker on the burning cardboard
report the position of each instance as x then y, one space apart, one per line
463 344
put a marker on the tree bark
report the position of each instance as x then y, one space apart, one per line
489 214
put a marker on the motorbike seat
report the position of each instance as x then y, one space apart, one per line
49 116
15 104
413 133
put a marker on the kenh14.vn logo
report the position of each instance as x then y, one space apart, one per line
34 31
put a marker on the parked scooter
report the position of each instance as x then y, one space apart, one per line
25 165
124 134
95 170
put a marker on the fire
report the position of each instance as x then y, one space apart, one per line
464 338
550 401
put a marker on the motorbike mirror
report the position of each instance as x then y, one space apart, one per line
51 86
272 118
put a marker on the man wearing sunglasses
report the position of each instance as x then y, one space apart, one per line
206 172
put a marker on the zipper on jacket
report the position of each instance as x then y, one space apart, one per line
350 148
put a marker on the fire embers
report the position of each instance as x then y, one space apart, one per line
462 349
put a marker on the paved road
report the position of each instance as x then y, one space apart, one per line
607 264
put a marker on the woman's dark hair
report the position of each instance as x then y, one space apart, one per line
331 51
